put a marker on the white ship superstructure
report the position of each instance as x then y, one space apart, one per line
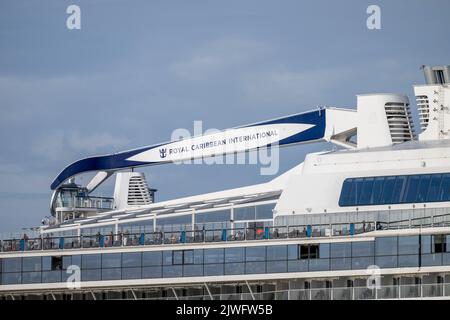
378 205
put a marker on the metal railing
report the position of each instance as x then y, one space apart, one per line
215 235
418 291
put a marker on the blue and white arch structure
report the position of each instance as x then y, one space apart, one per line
323 124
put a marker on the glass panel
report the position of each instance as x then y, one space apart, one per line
319 264
51 276
356 191
131 259
408 260
111 260
408 245
177 257
255 267
234 255
265 211
276 266
411 189
31 264
255 254
297 265
386 246
198 256
235 268
388 188
91 261
426 244
366 191
172 271
11 278
90 274
276 252
194 270
214 255
423 188
362 263
31 277
341 263
386 261
151 272
399 189
67 261
152 258
324 251
444 192
345 192
111 274
341 249
377 190
131 273
434 259
213 269
245 213
12 265
188 257
435 185
167 257
215 216
293 252
363 249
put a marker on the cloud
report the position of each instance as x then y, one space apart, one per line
217 57
59 144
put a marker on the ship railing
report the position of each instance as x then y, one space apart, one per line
386 292
164 237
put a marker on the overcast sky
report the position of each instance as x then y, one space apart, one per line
137 70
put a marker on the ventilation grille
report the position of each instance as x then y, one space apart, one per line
400 122
138 192
423 107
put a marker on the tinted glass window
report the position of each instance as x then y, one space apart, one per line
444 193
366 191
341 249
131 259
31 264
234 255
388 188
411 189
255 253
152 258
386 246
265 211
408 245
276 252
377 190
12 265
424 184
433 190
214 255
362 249
91 261
111 260
399 189
345 193
245 213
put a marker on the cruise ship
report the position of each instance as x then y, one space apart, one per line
367 219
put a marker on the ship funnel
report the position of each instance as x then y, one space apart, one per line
436 74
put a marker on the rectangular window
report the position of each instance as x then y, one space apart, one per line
234 255
444 192
366 191
177 257
362 249
440 243
31 264
277 253
152 258
244 213
388 188
91 261
12 265
265 211
111 260
386 246
433 190
411 189
255 253
131 259
408 245
214 255
377 190
341 250
424 185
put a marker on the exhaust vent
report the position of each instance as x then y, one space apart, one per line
138 191
423 107
399 121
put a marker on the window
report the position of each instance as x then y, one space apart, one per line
314 251
440 243
244 213
131 259
395 189
276 252
234 255
341 250
264 211
91 261
152 258
52 263
213 255
111 260
12 265
408 245
386 246
362 249
255 254
31 264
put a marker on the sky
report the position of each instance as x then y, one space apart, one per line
137 70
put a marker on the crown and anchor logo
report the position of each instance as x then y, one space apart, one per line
163 152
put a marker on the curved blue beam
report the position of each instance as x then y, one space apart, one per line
120 160
100 163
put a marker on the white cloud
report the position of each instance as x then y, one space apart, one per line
62 145
218 56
